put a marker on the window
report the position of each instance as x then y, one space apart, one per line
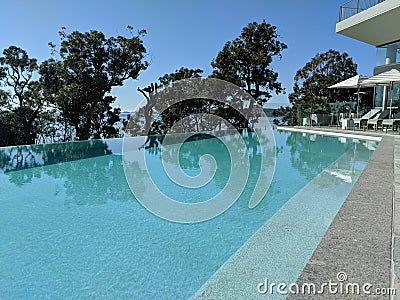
391 51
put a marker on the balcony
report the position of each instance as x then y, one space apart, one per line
354 7
375 22
385 68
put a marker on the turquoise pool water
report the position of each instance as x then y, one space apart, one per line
71 228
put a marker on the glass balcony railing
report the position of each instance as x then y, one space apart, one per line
354 7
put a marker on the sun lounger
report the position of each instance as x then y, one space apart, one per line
393 122
378 119
360 122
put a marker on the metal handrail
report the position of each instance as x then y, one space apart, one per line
354 7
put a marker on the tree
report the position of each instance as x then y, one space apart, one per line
183 109
24 101
80 82
310 90
246 61
182 73
286 113
8 132
173 113
4 99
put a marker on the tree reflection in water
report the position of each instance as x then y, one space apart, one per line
92 174
311 154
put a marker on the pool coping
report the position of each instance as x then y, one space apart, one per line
339 131
362 248
335 133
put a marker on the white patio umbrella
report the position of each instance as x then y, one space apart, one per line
385 78
351 83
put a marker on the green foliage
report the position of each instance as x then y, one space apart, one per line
246 61
23 101
182 73
10 129
145 121
80 82
16 70
52 128
5 101
71 97
183 109
287 114
310 91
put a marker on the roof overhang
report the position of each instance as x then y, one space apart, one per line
377 26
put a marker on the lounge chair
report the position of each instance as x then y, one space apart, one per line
378 119
392 122
363 120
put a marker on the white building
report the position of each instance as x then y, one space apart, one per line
375 22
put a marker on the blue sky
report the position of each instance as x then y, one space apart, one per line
183 32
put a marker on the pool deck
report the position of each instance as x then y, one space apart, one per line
362 244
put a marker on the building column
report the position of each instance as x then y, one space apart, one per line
384 100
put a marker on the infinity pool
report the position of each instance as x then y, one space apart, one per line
70 226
